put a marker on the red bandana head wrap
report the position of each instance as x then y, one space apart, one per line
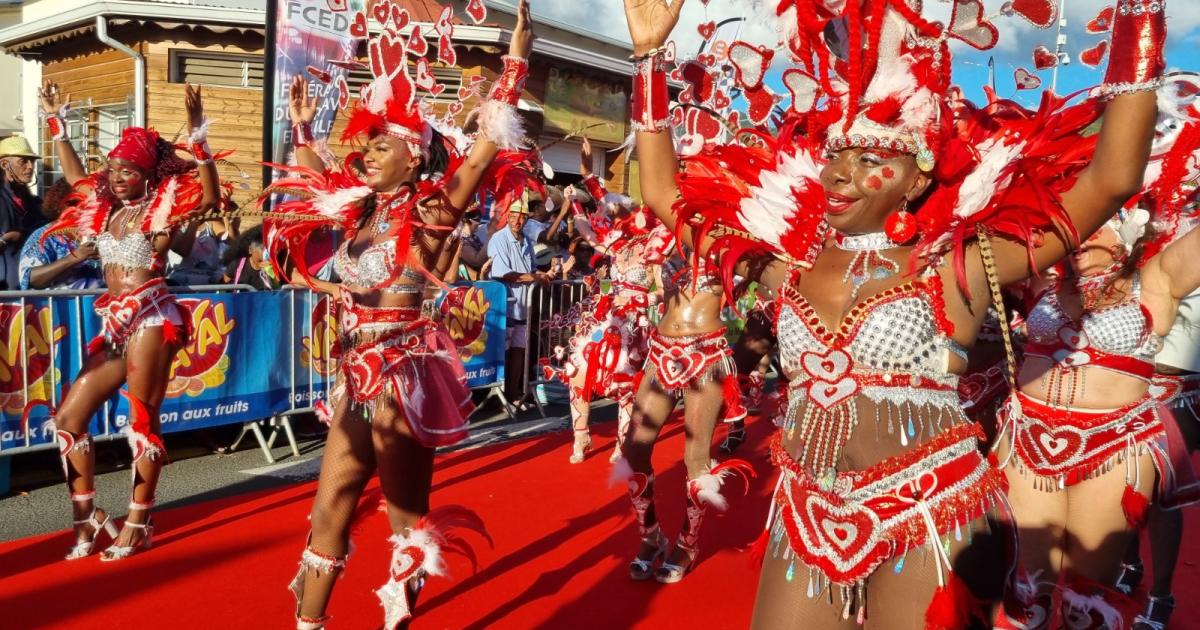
137 146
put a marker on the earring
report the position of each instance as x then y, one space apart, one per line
901 226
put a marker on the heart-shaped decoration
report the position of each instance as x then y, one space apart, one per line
750 63
1071 358
387 55
1026 80
690 145
123 311
445 24
358 28
1040 13
424 78
720 100
1094 56
337 6
971 388
700 79
1072 338
703 124
760 104
437 89
735 119
828 367
708 59
827 395
1043 59
1053 445
679 364
1103 21
399 18
364 367
669 52
839 538
465 93
446 53
318 74
477 11
707 29
677 117
406 561
969 24
343 91
803 88
381 10
416 42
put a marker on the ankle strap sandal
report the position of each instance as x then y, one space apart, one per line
321 563
120 552
1130 577
641 568
1157 614
84 548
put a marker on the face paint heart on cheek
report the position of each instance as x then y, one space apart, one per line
874 182
888 173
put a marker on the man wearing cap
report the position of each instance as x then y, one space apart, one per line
511 253
20 210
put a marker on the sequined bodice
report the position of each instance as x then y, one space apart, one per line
896 330
631 273
376 266
131 251
679 275
1120 330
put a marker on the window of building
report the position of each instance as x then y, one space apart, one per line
224 69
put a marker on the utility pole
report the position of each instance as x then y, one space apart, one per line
1060 46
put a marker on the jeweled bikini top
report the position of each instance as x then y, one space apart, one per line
1119 338
901 330
131 251
678 276
378 265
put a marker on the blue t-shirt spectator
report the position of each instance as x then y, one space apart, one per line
510 255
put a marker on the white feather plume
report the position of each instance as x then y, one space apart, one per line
707 489
332 204
163 205
500 123
768 209
986 180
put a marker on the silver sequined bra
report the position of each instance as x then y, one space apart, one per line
1101 337
637 275
376 266
678 274
132 251
897 330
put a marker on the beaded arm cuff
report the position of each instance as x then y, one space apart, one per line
498 118
57 124
511 82
1139 35
301 135
651 111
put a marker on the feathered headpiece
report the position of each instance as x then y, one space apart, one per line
388 104
510 178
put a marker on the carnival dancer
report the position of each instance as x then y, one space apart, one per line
884 511
400 390
134 210
752 355
1085 437
611 340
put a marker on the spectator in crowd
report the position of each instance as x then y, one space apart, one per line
246 262
474 239
544 224
20 210
511 259
60 262
203 265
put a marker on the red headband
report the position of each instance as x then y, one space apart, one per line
138 146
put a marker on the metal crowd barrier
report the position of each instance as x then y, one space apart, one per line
297 403
548 327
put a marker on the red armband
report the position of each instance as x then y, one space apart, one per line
1136 62
594 187
511 82
301 134
57 127
201 152
650 97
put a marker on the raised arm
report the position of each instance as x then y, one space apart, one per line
53 109
1177 266
498 119
198 139
1123 147
650 24
302 109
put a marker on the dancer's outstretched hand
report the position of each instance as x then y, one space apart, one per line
302 108
50 98
193 102
522 37
651 22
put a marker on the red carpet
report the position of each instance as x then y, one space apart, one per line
563 539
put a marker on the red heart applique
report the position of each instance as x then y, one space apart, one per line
1040 13
388 55
437 89
698 76
365 371
969 24
1043 59
1073 338
677 116
337 6
707 59
406 561
444 24
1026 80
343 91
707 29
477 11
720 100
840 538
465 93
760 104
703 124
399 18
416 42
359 27
1054 448
381 10
446 54
735 119
424 78
803 89
1094 56
1103 21
669 54
455 108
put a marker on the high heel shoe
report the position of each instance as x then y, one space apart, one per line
641 569
1130 577
670 573
583 441
116 552
83 548
733 440
1157 614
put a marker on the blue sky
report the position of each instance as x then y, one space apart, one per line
1017 38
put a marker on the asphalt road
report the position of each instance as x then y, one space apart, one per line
38 501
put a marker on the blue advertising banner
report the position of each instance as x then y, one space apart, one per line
476 317
251 355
